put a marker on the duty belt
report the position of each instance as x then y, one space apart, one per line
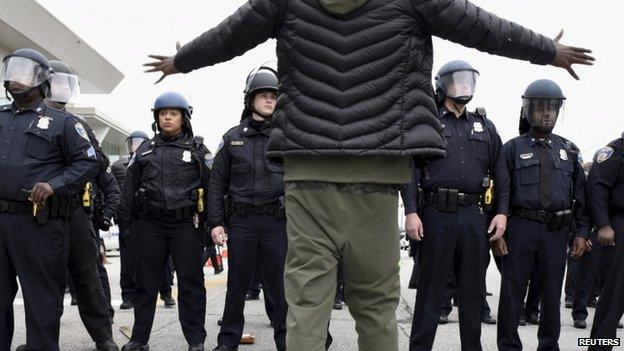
274 208
177 214
555 219
447 200
7 206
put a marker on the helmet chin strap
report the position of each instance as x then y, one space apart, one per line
462 100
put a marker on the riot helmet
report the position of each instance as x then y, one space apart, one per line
542 104
173 100
64 84
134 140
457 81
28 69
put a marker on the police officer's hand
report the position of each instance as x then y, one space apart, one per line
579 247
570 55
414 227
219 237
40 193
499 247
104 224
606 235
499 223
164 65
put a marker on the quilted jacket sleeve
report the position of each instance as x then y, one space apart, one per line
462 22
252 24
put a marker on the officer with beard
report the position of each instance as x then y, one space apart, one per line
455 191
255 214
45 161
547 194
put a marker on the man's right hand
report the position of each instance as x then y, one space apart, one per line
499 247
414 227
606 235
570 55
164 65
219 237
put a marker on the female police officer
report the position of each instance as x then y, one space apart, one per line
163 197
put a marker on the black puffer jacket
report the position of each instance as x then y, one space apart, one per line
359 84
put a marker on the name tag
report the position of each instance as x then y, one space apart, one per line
526 156
237 143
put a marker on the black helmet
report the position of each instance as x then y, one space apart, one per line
541 103
262 78
173 100
27 67
450 76
134 140
64 83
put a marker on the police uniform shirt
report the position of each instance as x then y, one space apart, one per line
240 170
473 146
605 188
547 175
169 169
41 144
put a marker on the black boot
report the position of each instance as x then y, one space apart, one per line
126 305
135 346
106 345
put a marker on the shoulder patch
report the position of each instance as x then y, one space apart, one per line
80 129
603 154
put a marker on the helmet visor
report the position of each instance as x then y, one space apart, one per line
63 87
24 71
542 112
459 84
132 144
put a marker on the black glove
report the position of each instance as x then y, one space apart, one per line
104 224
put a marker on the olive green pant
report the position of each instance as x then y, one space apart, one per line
358 230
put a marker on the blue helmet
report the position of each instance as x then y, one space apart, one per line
172 99
542 102
543 89
27 60
456 80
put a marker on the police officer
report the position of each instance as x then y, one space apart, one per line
163 196
257 227
455 190
606 199
45 161
547 193
83 250
126 248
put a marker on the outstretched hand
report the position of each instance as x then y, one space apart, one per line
570 55
164 65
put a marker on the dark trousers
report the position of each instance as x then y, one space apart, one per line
157 239
455 242
531 243
103 274
450 295
257 282
83 269
210 253
571 278
127 259
415 253
37 254
254 238
531 306
611 303
586 277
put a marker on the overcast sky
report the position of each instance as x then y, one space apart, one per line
125 32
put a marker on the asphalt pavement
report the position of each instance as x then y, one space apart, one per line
167 334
